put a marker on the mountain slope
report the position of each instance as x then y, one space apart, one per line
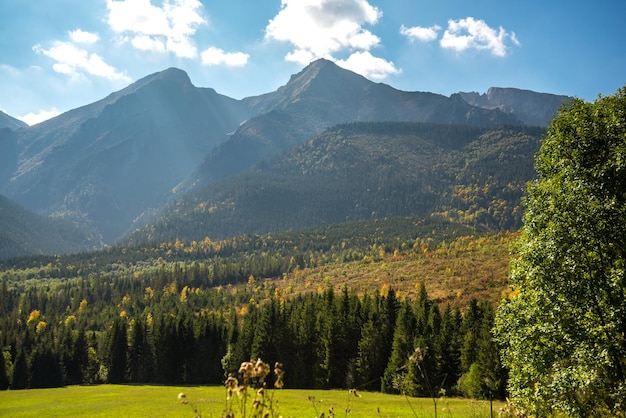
364 171
8 153
106 163
532 108
323 95
25 233
111 165
10 122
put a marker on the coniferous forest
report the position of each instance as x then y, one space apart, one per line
192 312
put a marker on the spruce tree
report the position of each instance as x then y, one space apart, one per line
116 360
21 372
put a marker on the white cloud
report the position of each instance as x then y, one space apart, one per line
35 118
318 29
470 33
75 62
216 56
326 28
148 43
369 66
81 37
421 34
168 28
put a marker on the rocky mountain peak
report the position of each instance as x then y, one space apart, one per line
532 108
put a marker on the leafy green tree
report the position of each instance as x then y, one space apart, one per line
563 327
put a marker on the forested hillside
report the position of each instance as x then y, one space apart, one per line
191 312
25 233
363 171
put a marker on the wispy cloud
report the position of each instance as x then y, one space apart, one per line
323 29
80 36
418 33
217 56
75 62
469 33
369 66
169 28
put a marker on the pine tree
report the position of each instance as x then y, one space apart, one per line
4 378
21 372
46 370
402 349
116 360
370 362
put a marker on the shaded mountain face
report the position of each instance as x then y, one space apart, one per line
8 154
104 164
362 171
10 122
25 233
532 108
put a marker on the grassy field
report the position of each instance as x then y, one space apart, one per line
161 401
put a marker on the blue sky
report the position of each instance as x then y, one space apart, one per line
57 55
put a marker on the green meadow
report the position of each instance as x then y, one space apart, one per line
210 401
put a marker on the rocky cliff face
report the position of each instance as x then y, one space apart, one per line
532 108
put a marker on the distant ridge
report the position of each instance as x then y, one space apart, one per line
112 165
320 96
532 108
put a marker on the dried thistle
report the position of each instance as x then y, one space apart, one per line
280 373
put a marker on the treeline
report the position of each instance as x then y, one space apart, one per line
184 335
231 261
192 311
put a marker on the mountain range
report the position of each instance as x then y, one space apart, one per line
135 159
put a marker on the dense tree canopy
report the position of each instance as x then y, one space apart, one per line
191 312
564 324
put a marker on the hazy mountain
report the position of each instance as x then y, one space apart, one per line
111 165
25 233
363 171
10 122
532 108
322 95
105 163
8 153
